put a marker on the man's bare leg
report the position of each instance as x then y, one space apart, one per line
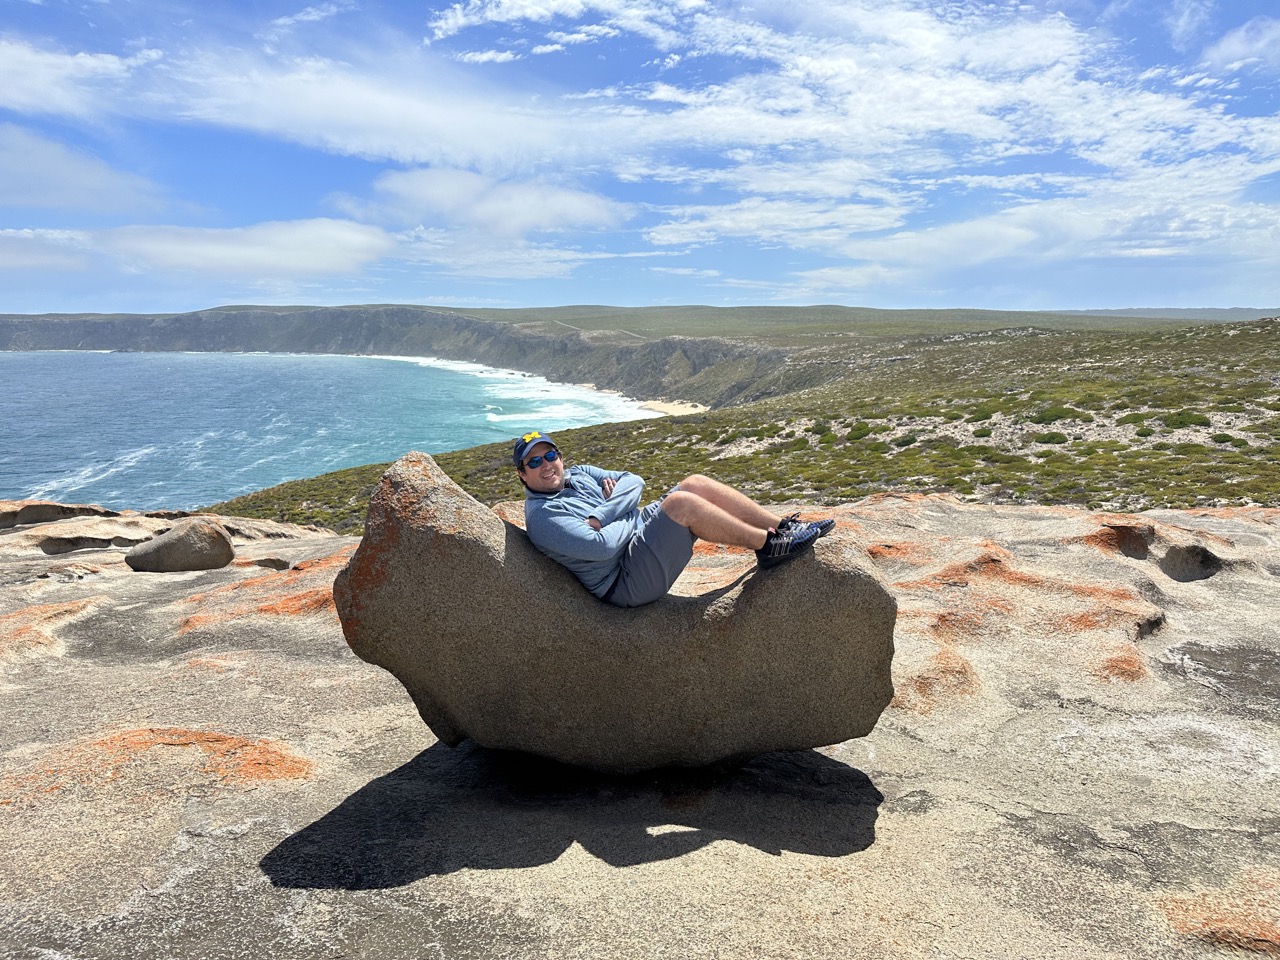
713 523
731 501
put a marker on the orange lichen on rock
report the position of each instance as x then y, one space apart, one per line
231 760
1132 540
299 604
913 553
1245 916
951 625
1125 664
293 592
33 629
991 563
704 548
948 676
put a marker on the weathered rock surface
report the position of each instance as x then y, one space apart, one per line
1082 759
496 643
195 543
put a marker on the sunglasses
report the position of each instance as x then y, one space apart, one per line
551 456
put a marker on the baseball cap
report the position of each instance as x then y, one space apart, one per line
523 445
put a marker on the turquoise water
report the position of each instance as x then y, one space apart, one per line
183 430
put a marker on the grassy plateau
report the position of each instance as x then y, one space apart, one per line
1120 412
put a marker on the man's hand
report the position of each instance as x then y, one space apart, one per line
594 524
608 486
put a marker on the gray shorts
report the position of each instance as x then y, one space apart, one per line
653 560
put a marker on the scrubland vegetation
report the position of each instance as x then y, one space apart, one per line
1111 414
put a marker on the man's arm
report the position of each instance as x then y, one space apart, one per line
622 499
572 536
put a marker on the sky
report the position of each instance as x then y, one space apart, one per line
1082 154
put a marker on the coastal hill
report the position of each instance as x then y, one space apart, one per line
1081 759
823 404
709 355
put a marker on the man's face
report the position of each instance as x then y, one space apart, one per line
548 476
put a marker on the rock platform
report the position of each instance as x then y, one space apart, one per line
1082 759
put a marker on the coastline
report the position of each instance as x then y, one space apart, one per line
673 408
165 458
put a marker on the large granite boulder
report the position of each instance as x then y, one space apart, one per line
194 543
495 642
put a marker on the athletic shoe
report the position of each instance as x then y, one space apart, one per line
782 545
824 526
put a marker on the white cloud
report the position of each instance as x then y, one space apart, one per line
41 173
462 16
489 56
29 250
1255 42
313 14
812 226
299 248
900 137
472 201
686 272
35 81
400 107
1186 20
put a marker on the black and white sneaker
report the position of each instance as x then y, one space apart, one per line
782 544
824 526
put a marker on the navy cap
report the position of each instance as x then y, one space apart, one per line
526 443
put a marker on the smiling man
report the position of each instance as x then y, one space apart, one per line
590 520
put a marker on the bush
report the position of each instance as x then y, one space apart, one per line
1145 432
982 432
1054 414
1222 438
1051 437
1185 418
905 440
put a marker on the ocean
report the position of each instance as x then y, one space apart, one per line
150 431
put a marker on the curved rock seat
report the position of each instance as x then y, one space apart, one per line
495 642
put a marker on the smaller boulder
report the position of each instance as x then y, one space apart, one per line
194 544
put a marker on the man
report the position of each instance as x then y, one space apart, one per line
590 520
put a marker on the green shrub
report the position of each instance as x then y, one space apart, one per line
1056 413
1222 438
905 440
1144 432
1134 418
1185 418
982 432
1051 437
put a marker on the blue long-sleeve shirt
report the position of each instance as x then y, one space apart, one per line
557 523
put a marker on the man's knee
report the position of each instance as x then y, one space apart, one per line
697 484
681 506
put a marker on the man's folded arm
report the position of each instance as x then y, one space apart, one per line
627 491
573 537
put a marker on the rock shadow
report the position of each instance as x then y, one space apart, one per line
467 807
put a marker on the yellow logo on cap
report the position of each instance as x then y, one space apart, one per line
530 436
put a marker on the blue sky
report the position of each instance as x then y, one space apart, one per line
172 155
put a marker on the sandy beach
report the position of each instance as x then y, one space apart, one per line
672 408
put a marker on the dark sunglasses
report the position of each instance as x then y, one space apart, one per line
551 456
